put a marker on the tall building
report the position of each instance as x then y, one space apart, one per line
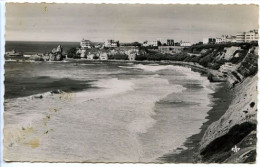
240 37
170 42
251 36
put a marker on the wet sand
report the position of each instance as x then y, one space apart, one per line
221 100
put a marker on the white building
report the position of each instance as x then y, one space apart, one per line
251 36
228 38
85 44
209 40
154 43
132 57
240 37
219 40
111 44
183 43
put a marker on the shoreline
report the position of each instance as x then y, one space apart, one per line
219 108
221 99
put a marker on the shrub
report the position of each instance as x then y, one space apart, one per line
72 53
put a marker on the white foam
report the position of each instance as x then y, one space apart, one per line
151 68
115 122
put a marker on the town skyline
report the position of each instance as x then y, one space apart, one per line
126 23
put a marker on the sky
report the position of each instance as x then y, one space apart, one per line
126 23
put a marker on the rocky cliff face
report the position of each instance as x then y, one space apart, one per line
235 129
232 139
56 54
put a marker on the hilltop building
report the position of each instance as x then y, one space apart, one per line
219 40
251 36
170 42
111 43
154 43
240 37
228 38
85 44
183 43
209 40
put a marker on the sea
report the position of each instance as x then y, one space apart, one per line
109 111
32 47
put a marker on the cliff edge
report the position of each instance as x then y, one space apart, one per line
232 139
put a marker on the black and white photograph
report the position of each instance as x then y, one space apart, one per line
130 83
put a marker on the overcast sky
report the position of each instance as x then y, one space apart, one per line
127 23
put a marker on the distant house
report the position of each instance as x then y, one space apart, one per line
153 43
209 40
103 56
240 37
111 44
219 40
170 42
85 44
228 38
132 57
183 43
251 36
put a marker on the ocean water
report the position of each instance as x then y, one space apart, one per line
32 47
112 111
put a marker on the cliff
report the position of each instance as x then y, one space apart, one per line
232 139
236 127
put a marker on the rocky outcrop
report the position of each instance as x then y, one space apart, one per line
236 127
229 52
56 54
